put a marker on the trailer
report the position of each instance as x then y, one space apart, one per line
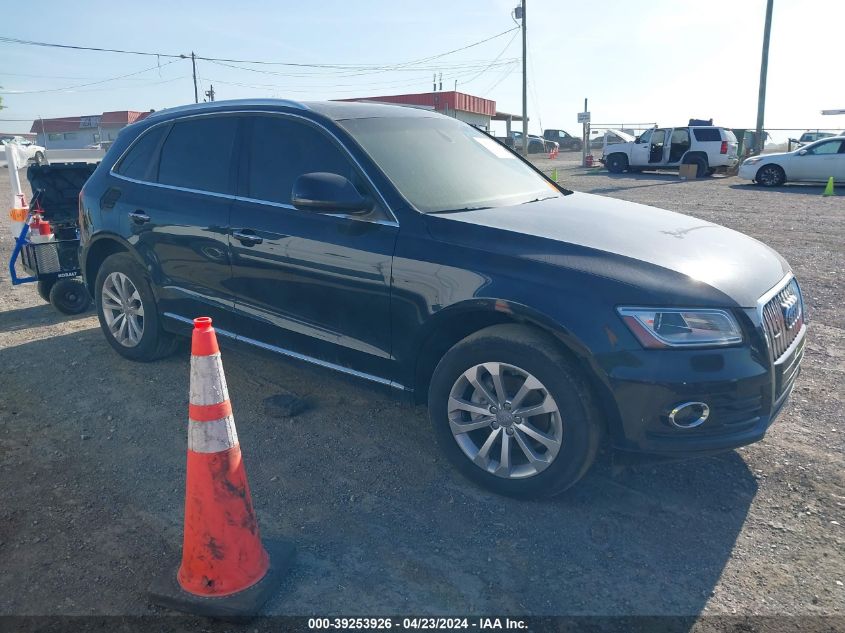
47 244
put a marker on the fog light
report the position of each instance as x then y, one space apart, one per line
689 415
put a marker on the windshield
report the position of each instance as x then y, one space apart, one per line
441 164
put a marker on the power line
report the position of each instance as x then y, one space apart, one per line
93 83
344 67
496 59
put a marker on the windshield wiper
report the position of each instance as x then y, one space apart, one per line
458 210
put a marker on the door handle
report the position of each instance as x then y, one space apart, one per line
139 217
247 237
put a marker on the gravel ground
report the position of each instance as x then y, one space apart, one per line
93 452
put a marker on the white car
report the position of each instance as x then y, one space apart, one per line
816 162
27 150
708 147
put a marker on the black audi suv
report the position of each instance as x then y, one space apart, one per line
415 252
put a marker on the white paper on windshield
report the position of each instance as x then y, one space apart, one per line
494 147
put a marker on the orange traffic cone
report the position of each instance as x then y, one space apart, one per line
226 570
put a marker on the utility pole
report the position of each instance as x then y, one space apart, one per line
764 69
194 64
210 93
524 84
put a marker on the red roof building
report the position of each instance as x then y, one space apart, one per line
469 108
76 132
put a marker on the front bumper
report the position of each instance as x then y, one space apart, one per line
748 172
744 389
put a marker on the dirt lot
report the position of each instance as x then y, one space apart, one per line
92 451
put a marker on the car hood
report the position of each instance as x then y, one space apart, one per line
573 228
765 157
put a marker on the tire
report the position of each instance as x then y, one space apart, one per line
43 288
701 165
141 338
617 163
69 296
514 351
39 158
770 176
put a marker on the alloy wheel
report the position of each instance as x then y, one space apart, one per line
769 176
123 309
505 420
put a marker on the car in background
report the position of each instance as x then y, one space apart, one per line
103 145
536 144
564 140
816 162
28 150
610 137
812 137
708 147
535 321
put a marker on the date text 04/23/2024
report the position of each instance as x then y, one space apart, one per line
424 623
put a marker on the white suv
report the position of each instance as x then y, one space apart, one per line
710 148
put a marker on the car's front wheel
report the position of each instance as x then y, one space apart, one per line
127 310
770 176
617 163
513 413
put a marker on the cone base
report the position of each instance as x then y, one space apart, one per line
166 591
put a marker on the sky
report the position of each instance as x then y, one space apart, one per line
648 61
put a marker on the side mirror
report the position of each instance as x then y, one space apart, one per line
802 152
322 191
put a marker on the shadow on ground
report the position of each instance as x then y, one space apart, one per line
802 189
94 480
36 316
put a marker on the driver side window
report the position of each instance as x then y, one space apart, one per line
646 136
825 149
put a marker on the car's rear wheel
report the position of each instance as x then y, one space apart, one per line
701 165
513 413
770 176
617 163
127 310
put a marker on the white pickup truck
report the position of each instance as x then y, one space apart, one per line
710 148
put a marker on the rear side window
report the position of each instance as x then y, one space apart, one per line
281 150
707 134
136 164
198 154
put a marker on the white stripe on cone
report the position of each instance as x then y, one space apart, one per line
208 384
212 437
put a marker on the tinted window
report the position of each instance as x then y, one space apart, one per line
198 154
281 150
137 162
707 134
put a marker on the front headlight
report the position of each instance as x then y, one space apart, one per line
657 328
752 161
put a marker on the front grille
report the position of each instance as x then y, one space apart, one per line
783 318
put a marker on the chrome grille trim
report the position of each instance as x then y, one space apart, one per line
782 316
